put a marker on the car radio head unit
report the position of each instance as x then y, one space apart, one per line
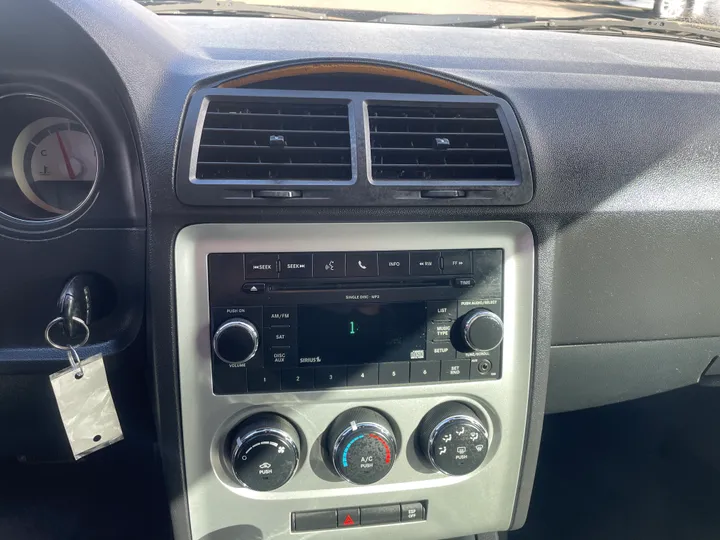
306 321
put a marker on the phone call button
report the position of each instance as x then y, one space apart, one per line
362 264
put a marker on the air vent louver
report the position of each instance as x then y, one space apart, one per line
278 140
425 143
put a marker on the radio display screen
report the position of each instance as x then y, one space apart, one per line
341 334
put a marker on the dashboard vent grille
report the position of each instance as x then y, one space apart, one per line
422 143
278 140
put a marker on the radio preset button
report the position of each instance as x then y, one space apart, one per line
295 265
394 263
362 264
329 265
263 380
455 370
280 316
362 375
424 263
394 373
298 379
425 371
457 262
330 377
442 310
261 266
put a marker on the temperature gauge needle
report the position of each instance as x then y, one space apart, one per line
65 156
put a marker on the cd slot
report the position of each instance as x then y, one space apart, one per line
335 285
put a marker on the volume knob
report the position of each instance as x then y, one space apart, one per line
480 330
236 341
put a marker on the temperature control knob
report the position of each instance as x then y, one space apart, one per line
480 330
453 439
361 445
264 451
236 341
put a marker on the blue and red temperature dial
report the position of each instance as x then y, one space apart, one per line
362 445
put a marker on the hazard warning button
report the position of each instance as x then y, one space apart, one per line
348 517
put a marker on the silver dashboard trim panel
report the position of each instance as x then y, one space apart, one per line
481 501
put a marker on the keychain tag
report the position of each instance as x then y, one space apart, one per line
84 399
86 407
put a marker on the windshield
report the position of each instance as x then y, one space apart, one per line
432 12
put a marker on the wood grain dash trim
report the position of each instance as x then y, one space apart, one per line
365 69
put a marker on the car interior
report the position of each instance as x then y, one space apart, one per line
334 270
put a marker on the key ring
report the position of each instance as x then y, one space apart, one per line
66 347
72 354
75 362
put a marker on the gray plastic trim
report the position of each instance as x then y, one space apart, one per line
485 498
583 376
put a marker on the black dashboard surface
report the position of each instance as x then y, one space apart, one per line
622 134
623 142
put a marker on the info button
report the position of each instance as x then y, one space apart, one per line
394 263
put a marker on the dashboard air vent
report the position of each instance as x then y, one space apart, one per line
266 141
438 144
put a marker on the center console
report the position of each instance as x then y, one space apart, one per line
350 376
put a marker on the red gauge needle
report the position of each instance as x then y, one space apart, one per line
65 156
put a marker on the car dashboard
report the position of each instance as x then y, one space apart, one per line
356 263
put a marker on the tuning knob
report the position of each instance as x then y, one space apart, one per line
480 330
453 439
236 341
264 452
361 445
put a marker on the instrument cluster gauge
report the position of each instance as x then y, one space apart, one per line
55 164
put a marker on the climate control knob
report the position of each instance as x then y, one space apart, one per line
264 451
236 341
480 330
361 445
453 439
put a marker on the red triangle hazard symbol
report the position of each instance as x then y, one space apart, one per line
348 521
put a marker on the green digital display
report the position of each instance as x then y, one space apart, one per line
353 328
